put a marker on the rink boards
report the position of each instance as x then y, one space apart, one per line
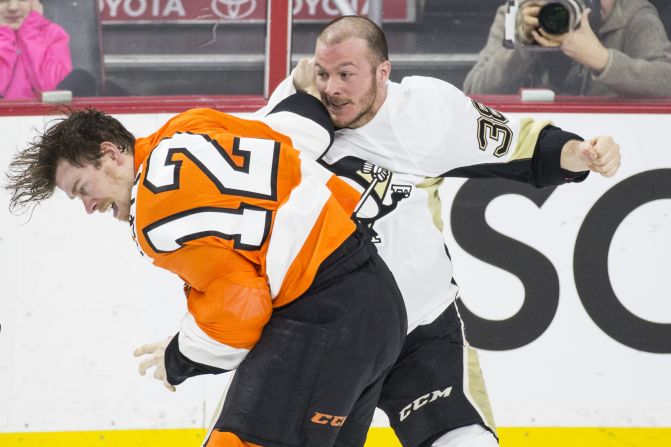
591 369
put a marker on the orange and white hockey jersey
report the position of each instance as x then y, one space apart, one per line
231 207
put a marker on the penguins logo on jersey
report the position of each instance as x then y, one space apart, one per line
379 194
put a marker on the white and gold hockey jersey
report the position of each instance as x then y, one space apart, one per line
425 130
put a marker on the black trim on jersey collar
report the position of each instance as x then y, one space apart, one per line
308 107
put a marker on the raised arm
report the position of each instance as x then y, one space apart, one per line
451 135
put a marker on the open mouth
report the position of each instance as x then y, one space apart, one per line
111 205
336 104
337 107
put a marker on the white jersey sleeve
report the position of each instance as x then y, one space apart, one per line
438 125
434 130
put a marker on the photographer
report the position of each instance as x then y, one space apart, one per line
629 54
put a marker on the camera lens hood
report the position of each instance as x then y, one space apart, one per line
554 18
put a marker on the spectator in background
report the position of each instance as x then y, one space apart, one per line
629 55
34 52
664 10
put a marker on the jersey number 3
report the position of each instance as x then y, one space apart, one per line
249 225
493 125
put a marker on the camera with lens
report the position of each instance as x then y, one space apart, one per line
555 17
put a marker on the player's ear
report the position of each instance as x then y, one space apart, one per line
111 150
382 72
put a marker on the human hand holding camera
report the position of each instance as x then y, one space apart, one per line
527 22
580 44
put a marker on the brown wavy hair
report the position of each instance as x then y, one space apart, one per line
76 139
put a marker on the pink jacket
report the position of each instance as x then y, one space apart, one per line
33 59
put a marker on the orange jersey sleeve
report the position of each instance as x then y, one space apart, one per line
227 298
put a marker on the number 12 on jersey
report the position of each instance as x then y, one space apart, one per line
249 225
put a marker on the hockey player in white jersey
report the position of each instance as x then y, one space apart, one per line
395 143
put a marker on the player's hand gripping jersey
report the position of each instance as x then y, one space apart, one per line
232 208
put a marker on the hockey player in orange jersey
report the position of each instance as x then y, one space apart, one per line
279 283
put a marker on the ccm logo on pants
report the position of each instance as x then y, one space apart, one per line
323 419
423 400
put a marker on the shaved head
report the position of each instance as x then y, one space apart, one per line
347 27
